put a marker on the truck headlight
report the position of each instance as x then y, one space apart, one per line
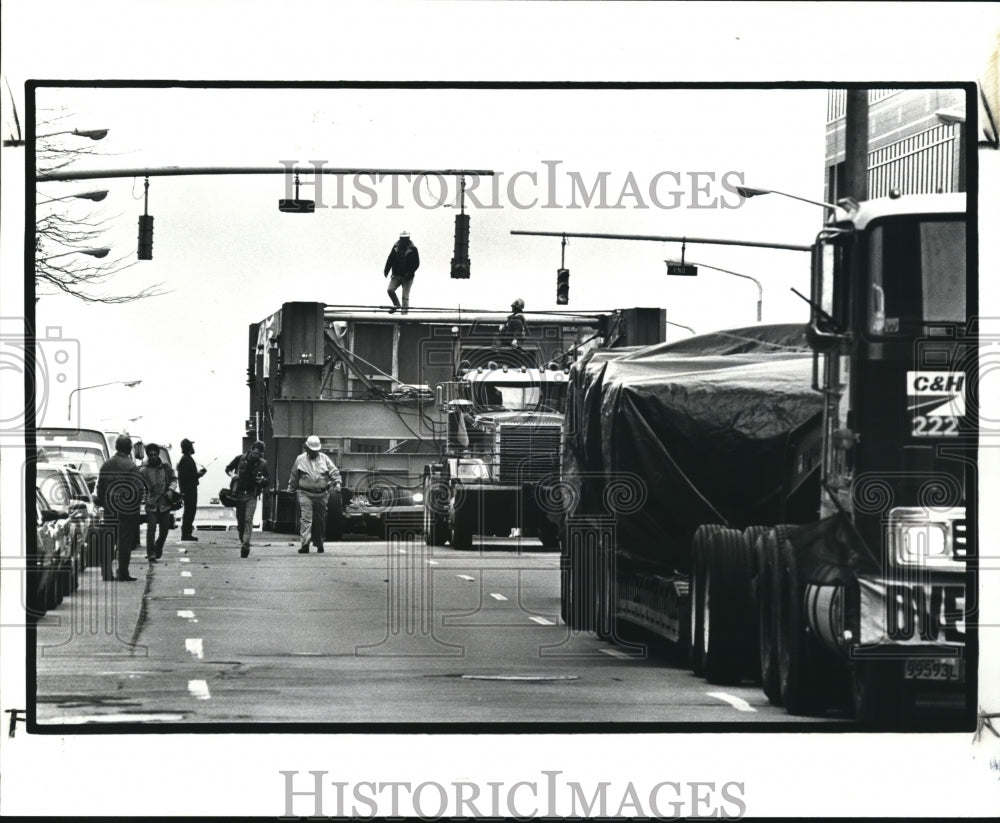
418 497
470 469
927 537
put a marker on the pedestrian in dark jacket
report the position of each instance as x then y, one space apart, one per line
120 490
403 262
252 477
188 475
513 332
160 482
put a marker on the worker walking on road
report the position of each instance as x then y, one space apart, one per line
314 477
251 475
403 262
160 481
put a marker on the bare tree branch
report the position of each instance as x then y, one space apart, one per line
63 241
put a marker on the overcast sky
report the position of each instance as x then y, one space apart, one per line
648 162
229 258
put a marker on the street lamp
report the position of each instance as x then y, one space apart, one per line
760 289
95 196
746 191
93 134
102 252
69 405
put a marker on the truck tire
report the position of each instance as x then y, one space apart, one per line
461 528
548 533
604 587
880 695
700 548
726 604
767 627
334 517
799 658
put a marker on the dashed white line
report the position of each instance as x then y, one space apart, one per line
737 703
401 551
187 614
543 621
185 574
181 549
193 645
464 577
188 591
185 560
497 596
199 689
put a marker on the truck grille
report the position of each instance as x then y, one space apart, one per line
528 453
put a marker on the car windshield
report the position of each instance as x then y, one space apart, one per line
85 460
54 487
917 273
520 397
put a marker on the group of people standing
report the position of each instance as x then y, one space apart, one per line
124 489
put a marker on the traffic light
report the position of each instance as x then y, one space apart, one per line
460 263
562 287
145 237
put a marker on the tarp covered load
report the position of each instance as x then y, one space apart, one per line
674 435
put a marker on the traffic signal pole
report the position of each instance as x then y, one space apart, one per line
657 239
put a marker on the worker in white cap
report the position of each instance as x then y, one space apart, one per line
314 477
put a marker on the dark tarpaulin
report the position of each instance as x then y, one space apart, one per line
700 427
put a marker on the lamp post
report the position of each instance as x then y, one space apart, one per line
95 196
747 192
93 134
102 252
760 289
69 405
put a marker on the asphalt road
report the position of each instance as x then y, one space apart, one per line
369 632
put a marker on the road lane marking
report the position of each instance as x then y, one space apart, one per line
185 574
496 596
193 645
401 551
543 621
433 563
531 677
185 560
737 703
181 549
464 577
616 653
199 689
187 614
188 591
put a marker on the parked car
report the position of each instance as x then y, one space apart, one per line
66 491
52 550
218 518
83 449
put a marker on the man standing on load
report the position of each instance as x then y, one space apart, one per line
313 477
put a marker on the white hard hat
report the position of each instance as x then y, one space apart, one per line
313 443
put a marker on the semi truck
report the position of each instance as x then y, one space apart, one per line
796 505
501 452
378 389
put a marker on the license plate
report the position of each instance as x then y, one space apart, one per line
932 670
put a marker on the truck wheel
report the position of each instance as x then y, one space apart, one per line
726 598
604 587
700 547
767 563
334 518
461 528
548 533
798 660
879 693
